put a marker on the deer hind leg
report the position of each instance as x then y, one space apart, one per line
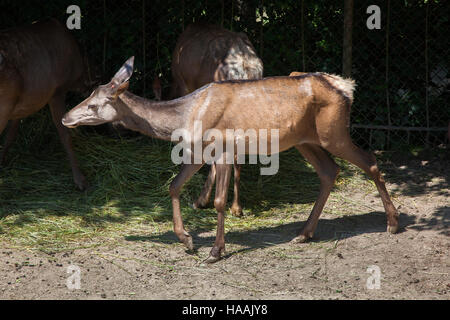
327 170
368 163
187 171
220 201
10 137
205 194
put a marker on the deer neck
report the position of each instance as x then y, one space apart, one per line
151 118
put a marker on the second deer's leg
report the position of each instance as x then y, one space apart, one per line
327 170
57 109
220 201
205 194
10 137
187 171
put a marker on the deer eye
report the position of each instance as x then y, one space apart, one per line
91 106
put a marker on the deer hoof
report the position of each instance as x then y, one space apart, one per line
300 239
211 259
392 229
236 211
215 254
188 242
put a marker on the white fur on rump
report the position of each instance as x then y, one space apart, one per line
347 86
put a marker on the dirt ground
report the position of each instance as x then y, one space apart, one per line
263 264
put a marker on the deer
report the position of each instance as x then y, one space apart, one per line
206 53
39 64
310 112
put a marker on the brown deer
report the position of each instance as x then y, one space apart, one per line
39 64
310 112
205 53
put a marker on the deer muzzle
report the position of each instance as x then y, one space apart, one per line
70 123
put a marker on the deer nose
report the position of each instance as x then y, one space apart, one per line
64 120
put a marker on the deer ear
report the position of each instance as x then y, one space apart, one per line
121 89
125 72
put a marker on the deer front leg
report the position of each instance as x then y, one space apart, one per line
187 171
327 170
10 137
57 109
222 182
236 208
205 194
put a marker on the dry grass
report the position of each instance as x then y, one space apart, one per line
40 208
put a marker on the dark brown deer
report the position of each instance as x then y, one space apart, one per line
205 53
310 112
39 64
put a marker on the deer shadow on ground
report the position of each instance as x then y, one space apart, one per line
328 229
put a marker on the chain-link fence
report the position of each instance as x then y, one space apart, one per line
402 74
401 69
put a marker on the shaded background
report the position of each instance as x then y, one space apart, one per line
401 69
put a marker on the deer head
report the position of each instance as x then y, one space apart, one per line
102 104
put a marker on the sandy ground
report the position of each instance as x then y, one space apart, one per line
342 262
